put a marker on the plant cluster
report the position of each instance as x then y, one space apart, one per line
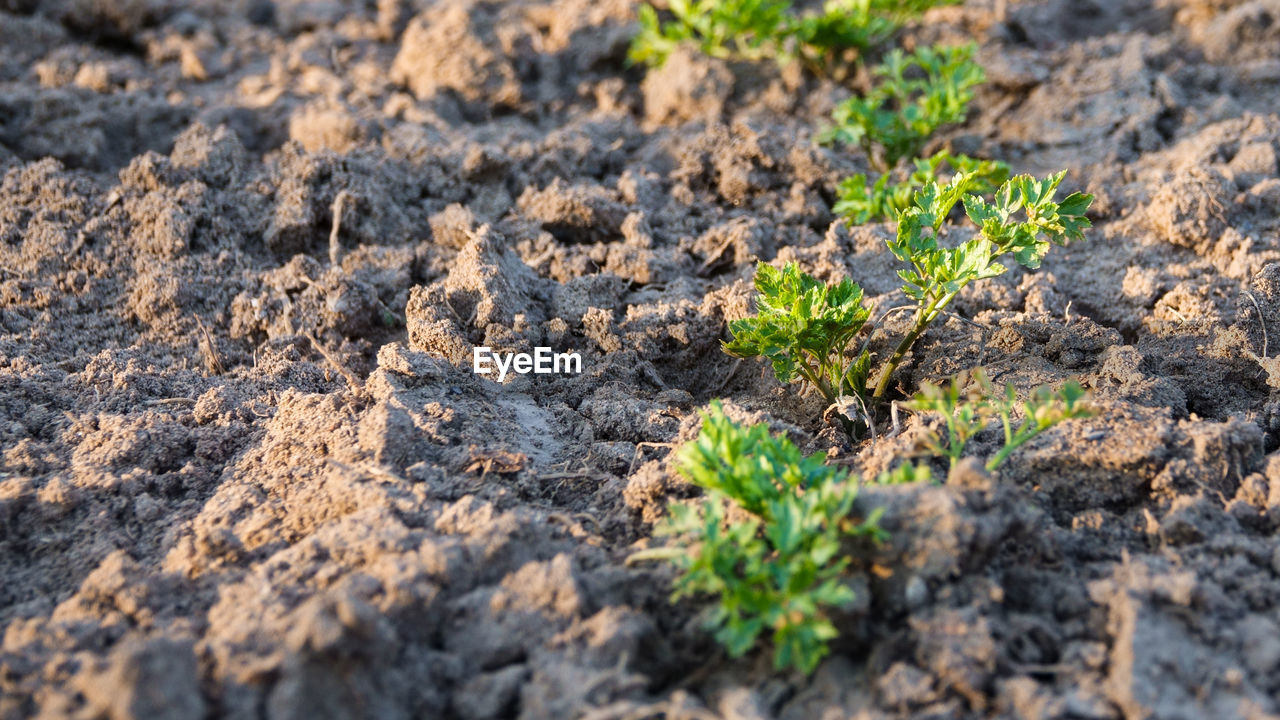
1024 220
915 94
911 96
761 29
805 328
770 538
859 201
766 539
970 404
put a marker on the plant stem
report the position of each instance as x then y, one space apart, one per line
656 553
1017 440
924 318
818 382
998 459
956 446
886 374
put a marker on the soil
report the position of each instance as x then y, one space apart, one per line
247 246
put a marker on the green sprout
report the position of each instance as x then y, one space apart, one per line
916 94
761 29
936 274
766 540
1044 408
964 408
860 202
905 474
804 327
743 29
820 39
969 404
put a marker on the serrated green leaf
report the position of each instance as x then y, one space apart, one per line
802 326
779 571
758 29
915 94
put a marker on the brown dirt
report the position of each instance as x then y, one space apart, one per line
246 473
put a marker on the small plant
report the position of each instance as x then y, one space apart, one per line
843 26
760 29
905 474
860 202
936 274
969 404
916 94
1044 408
964 408
819 39
766 540
745 29
804 328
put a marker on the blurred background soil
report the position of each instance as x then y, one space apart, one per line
246 247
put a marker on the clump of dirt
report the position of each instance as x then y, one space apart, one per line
247 249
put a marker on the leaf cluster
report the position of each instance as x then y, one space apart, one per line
914 95
905 474
804 328
759 29
859 201
1024 220
778 566
970 403
745 29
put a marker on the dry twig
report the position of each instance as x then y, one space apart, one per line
1262 321
350 377
212 362
335 245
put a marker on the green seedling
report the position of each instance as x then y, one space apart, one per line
820 39
969 404
1023 221
905 474
914 95
804 328
1043 409
965 410
860 202
760 29
766 540
742 29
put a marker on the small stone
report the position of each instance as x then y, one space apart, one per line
916 593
